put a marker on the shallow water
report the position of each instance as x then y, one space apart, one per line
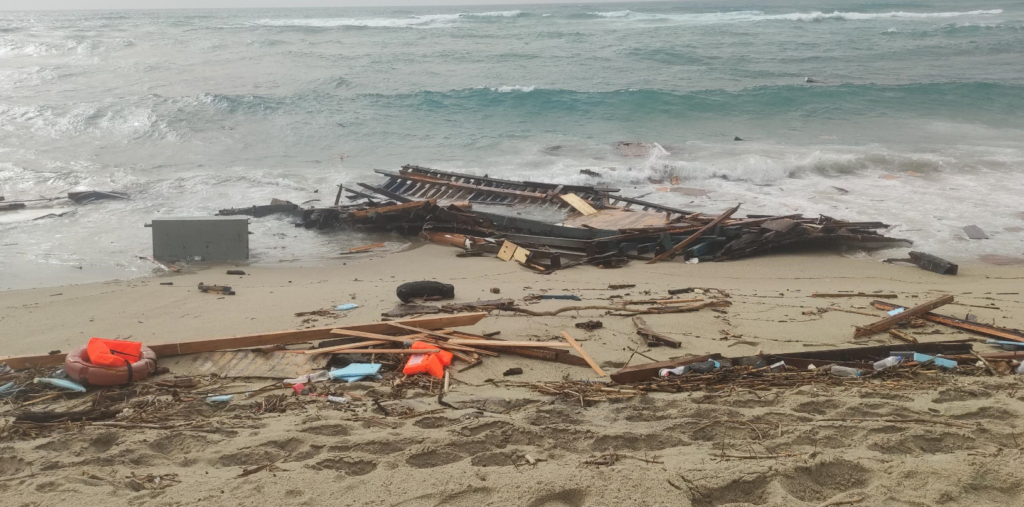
916 113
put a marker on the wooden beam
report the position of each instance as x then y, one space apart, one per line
493 190
328 350
546 354
695 236
646 332
579 349
852 295
647 371
263 339
388 351
490 343
413 337
581 205
888 322
974 327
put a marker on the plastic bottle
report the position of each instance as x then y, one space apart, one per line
220 399
705 366
843 371
887 363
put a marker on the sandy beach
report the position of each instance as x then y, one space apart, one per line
739 447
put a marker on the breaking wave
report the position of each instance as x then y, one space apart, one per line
410 22
742 16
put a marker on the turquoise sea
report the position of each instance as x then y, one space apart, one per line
915 110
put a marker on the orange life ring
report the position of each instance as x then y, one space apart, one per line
80 369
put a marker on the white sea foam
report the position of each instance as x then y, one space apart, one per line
410 22
516 88
750 16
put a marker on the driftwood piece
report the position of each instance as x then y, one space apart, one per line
974 327
643 372
643 330
853 295
630 312
579 349
884 324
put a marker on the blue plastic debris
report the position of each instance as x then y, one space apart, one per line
355 371
941 362
1005 345
896 311
220 399
61 383
346 306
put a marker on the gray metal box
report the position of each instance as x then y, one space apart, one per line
201 238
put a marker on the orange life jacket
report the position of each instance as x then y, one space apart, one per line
427 363
114 353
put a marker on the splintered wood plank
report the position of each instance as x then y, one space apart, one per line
508 249
576 202
586 357
521 255
886 323
695 236
618 219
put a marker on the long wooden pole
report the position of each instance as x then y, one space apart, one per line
974 327
886 323
586 357
695 236
264 339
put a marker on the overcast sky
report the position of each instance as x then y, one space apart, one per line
192 4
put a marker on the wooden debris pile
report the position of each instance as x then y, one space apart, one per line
596 225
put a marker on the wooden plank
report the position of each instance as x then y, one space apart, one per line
521 255
491 190
442 339
902 336
386 193
263 339
356 345
388 351
646 332
508 249
579 350
974 327
391 209
647 371
852 295
888 322
575 201
414 337
365 248
546 354
527 344
695 236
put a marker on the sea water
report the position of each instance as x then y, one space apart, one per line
914 115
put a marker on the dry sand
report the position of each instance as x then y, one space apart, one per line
965 452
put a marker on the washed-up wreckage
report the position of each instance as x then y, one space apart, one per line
594 225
